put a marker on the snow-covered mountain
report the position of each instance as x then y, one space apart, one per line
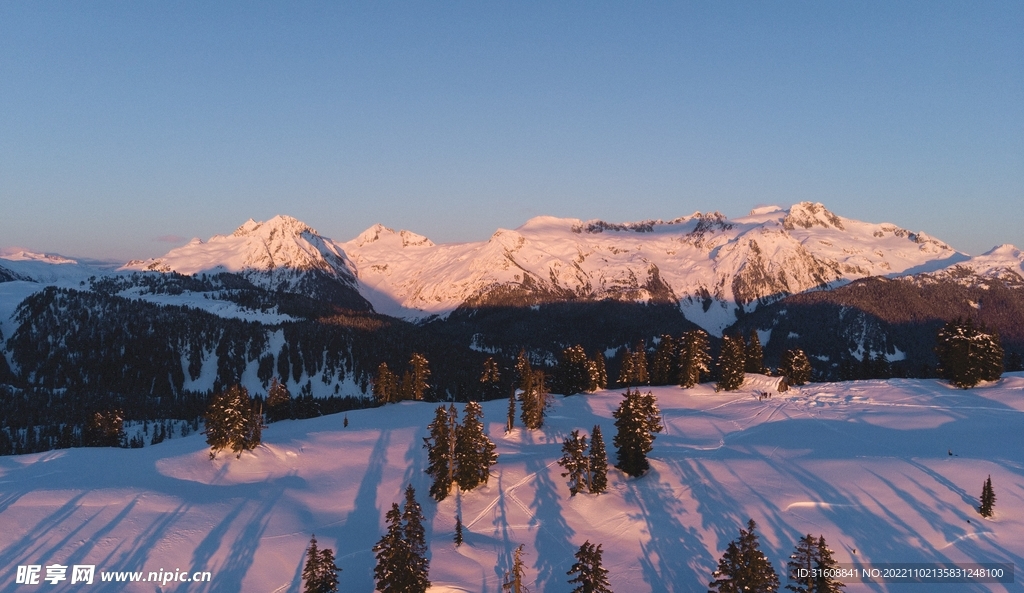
280 254
707 263
1004 263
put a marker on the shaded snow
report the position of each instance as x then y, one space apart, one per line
863 463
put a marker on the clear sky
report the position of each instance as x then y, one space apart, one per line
128 127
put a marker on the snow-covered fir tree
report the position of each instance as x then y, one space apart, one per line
490 380
320 574
572 375
744 567
534 400
988 498
402 565
474 451
968 353
510 422
598 372
795 367
665 365
731 362
575 462
385 385
232 422
636 420
419 376
440 447
694 358
104 429
590 577
458 538
627 372
415 536
811 567
279 401
598 462
753 355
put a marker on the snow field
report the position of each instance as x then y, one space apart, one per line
866 464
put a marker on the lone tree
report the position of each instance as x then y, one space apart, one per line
744 568
598 462
694 358
575 462
513 581
458 530
232 422
731 363
590 577
811 567
535 400
988 498
636 421
474 452
320 573
795 367
968 354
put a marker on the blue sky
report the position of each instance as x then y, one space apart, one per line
124 125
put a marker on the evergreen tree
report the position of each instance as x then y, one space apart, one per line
640 365
802 563
694 358
575 462
534 399
825 582
458 530
753 355
414 534
513 581
385 385
420 376
731 363
665 366
598 372
392 572
590 577
627 372
320 573
636 420
598 462
572 375
474 452
440 457
795 367
968 354
988 498
744 568
510 423
104 429
279 402
523 371
490 380
231 422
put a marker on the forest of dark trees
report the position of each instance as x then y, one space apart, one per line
79 352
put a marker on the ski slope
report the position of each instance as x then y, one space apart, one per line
866 464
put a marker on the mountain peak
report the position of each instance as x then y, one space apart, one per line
811 214
278 225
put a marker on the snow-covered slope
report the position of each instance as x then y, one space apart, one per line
886 471
274 254
1005 263
708 264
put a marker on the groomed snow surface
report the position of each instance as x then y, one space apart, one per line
866 464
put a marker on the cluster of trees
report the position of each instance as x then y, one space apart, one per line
744 567
457 454
636 420
533 394
413 384
683 361
232 422
320 574
590 574
968 353
585 467
578 374
402 564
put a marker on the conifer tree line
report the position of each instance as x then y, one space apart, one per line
320 574
413 385
585 467
458 455
744 567
402 565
